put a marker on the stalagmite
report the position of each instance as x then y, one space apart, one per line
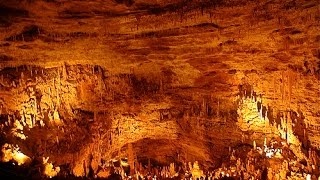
42 123
49 171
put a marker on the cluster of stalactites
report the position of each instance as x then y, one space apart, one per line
255 103
285 128
252 112
29 121
30 116
251 109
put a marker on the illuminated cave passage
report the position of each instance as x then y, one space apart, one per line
166 89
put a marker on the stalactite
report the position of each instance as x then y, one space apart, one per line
161 84
57 140
203 107
131 159
95 116
64 72
282 87
290 81
218 111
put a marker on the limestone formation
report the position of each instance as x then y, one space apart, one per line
141 89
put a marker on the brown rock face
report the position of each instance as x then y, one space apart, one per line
149 83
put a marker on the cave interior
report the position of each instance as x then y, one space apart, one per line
160 89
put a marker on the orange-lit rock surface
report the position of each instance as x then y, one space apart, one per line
162 83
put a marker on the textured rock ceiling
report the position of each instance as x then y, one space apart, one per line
165 75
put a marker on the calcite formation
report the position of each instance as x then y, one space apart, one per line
181 89
12 153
